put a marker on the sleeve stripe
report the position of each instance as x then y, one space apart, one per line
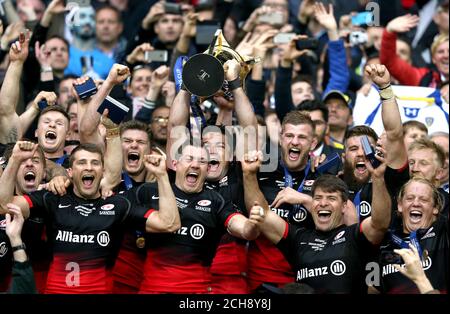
229 218
149 212
29 201
360 228
286 231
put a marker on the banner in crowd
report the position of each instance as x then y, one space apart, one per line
423 104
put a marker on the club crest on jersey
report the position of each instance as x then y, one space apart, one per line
429 234
85 211
223 181
309 182
429 121
3 224
365 209
3 249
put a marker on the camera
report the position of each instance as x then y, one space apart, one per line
358 38
172 8
283 38
273 18
156 56
206 31
308 43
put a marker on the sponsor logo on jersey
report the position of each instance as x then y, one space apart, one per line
429 234
364 209
336 268
107 207
3 249
197 231
300 215
84 210
181 203
223 181
318 244
389 268
309 183
339 238
102 237
204 203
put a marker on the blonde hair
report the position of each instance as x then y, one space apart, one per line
438 40
438 202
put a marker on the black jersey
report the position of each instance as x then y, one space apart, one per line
5 256
231 254
84 235
445 199
180 262
128 269
436 243
394 180
265 262
329 262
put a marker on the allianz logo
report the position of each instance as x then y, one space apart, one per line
337 268
102 238
390 269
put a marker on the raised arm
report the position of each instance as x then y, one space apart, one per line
399 68
27 118
22 151
392 121
167 218
376 226
113 155
9 94
339 75
252 193
91 119
179 116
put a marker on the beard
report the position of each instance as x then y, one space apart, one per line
352 182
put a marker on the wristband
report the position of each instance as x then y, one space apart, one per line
234 84
111 133
386 87
46 69
19 247
386 93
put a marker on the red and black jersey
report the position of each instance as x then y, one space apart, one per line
329 262
231 254
436 243
85 235
265 262
128 269
180 262
5 257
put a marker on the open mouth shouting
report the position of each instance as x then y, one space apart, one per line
133 159
213 165
324 216
88 181
30 178
415 216
50 137
294 154
361 167
192 178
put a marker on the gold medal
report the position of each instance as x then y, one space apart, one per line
140 242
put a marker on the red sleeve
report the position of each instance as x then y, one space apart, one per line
148 213
229 218
29 201
286 231
404 72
